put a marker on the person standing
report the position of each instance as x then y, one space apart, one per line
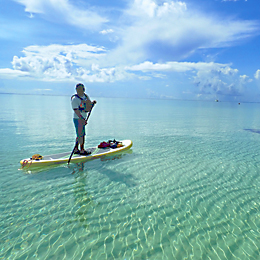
81 104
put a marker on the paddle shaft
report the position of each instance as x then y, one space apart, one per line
77 141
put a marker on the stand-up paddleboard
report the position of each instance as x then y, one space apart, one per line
61 158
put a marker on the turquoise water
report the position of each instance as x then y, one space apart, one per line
188 189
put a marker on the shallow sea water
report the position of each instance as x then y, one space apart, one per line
188 188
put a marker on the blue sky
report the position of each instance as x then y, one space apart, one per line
193 50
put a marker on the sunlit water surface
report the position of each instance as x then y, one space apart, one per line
188 188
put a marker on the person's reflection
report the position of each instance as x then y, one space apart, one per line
83 200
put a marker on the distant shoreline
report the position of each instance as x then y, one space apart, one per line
32 94
68 95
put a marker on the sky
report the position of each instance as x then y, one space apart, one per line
191 50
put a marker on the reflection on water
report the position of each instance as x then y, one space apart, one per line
83 200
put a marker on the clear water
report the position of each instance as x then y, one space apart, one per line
189 188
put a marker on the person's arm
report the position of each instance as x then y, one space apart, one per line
88 99
80 116
89 104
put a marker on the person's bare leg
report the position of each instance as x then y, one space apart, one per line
82 141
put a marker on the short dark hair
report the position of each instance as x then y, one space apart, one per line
79 85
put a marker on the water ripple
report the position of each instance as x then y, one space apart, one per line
198 201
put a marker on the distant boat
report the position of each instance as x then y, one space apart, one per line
216 100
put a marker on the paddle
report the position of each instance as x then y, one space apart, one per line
77 142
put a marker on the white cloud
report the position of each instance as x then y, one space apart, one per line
107 31
181 67
209 78
152 37
149 29
222 80
245 79
170 30
82 62
10 73
62 11
42 90
65 62
257 74
149 8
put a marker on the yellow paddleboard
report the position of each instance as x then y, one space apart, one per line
62 158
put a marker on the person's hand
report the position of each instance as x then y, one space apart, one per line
83 120
94 102
87 102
